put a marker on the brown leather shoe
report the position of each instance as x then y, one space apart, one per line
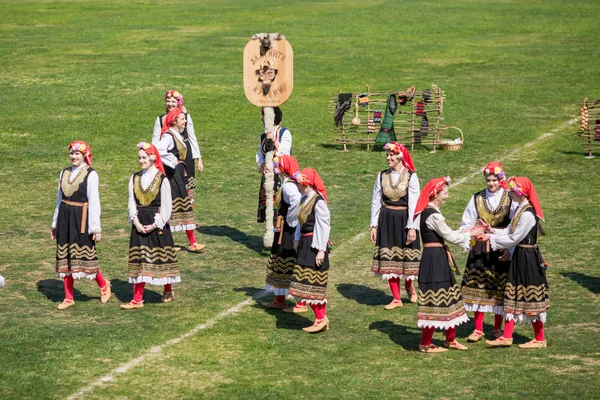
105 293
318 326
132 306
196 248
296 309
534 344
455 346
273 304
475 336
413 295
431 349
500 342
394 304
66 304
167 297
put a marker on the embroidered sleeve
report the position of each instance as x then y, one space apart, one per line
376 201
93 203
58 201
414 190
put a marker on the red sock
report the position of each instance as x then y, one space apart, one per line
427 335
395 286
280 299
301 303
479 317
138 292
498 321
69 283
451 334
538 329
408 286
319 311
168 287
100 280
191 237
509 326
323 309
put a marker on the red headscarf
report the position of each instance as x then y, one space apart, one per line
429 191
523 187
496 168
152 151
170 119
84 149
399 148
310 177
289 165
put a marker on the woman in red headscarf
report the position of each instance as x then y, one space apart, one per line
526 295
173 152
439 298
485 275
76 224
152 255
394 231
309 281
282 260
174 99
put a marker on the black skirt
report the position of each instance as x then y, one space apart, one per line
280 266
152 256
392 255
526 295
309 282
182 216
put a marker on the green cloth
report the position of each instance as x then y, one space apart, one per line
386 132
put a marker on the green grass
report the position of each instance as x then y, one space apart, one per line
97 71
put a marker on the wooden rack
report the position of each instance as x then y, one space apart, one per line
589 128
354 128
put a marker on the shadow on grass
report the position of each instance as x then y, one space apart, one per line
285 320
408 337
256 293
123 291
591 283
54 290
254 243
363 294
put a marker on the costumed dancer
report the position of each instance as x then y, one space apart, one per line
440 302
309 281
485 274
282 259
174 99
526 295
278 140
394 230
76 224
152 254
173 153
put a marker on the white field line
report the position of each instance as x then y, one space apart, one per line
157 350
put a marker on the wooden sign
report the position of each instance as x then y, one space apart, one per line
268 70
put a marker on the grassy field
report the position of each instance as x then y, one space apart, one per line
514 73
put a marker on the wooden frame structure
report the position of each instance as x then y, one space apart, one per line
359 125
589 129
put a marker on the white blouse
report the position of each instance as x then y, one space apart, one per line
322 225
165 144
413 196
190 130
285 146
93 199
166 206
469 218
437 223
292 196
507 238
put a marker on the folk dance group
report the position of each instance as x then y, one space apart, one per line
504 274
161 198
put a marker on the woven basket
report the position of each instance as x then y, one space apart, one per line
455 146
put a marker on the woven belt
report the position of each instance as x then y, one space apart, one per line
448 254
83 212
309 234
528 246
395 207
184 170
